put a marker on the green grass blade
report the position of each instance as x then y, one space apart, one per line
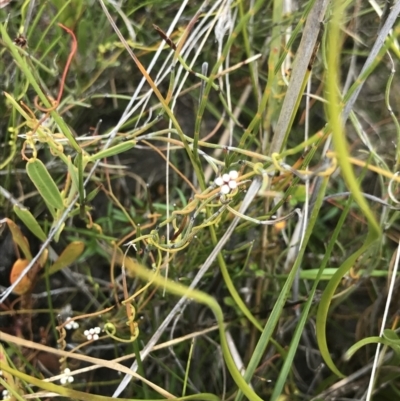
342 154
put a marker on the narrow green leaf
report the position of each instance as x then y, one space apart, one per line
294 344
73 172
43 182
59 231
389 339
365 341
30 222
120 148
19 239
334 112
68 256
17 106
391 336
92 194
79 163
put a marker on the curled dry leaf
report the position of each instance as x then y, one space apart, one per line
25 284
28 280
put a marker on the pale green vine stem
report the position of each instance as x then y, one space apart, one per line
182 303
200 297
266 222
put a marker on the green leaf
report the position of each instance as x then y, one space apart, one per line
43 182
391 336
120 148
389 339
68 256
73 172
30 222
19 239
92 194
335 121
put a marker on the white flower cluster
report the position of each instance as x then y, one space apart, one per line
71 324
92 334
67 378
227 182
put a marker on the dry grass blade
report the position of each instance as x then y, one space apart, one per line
95 361
192 139
298 81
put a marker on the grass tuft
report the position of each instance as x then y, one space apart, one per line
199 201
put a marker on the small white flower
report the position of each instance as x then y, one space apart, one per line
232 184
226 177
225 189
5 395
92 334
67 378
233 174
219 181
227 182
71 324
